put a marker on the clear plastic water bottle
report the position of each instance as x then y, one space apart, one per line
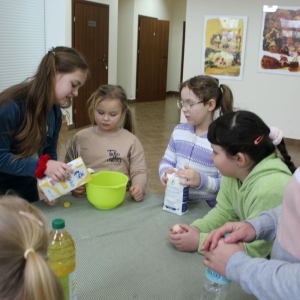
61 253
215 286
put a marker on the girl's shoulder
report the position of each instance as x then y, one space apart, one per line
85 132
124 132
13 109
185 126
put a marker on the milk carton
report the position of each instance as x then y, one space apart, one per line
53 189
176 195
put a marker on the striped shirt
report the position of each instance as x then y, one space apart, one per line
186 148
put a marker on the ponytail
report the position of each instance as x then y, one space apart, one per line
225 103
285 156
128 121
25 273
39 280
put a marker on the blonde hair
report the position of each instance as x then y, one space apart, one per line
20 229
111 92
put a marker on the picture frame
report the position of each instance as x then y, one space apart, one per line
224 41
279 48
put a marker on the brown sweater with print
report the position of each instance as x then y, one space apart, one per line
120 151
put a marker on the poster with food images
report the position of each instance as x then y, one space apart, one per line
279 51
224 46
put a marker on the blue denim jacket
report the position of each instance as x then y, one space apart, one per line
11 117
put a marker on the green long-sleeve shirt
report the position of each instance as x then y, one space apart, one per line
262 189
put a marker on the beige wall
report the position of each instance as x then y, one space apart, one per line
129 10
275 98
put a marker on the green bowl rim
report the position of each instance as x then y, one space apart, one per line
108 186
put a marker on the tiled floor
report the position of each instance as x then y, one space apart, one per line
154 122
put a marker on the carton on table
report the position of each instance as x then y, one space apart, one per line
53 189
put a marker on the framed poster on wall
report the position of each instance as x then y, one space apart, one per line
224 46
279 48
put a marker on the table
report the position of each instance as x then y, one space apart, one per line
124 253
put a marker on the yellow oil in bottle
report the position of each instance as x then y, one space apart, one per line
61 252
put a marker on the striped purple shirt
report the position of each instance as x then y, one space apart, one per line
185 147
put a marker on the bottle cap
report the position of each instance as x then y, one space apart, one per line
58 223
215 277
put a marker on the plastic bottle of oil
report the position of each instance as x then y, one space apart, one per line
61 253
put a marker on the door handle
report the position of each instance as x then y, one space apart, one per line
105 64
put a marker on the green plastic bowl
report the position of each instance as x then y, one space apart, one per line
107 189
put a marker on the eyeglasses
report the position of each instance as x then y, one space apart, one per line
181 104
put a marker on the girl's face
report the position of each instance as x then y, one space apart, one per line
198 113
224 164
108 114
67 85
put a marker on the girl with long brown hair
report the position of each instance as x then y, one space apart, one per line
30 121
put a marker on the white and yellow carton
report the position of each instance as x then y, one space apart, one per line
53 189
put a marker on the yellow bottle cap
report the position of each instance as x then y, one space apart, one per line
67 204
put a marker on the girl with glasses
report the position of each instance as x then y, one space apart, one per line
189 152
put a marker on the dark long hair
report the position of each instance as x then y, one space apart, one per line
245 132
38 94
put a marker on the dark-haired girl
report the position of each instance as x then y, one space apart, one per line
254 178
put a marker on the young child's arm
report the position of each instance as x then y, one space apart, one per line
168 162
137 171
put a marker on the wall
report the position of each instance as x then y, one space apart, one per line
175 46
129 10
275 98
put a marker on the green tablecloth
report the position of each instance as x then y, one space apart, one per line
124 253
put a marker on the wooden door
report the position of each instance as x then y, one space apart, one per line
90 37
152 59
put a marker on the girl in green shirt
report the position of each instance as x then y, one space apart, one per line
254 178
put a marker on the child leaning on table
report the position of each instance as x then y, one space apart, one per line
254 178
107 146
30 122
24 269
188 149
274 279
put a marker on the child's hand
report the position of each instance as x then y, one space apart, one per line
217 259
186 241
51 203
136 192
58 170
178 228
192 177
165 178
79 192
239 232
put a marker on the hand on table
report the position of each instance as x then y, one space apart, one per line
188 240
79 192
192 177
58 170
165 179
136 192
52 202
217 258
239 232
